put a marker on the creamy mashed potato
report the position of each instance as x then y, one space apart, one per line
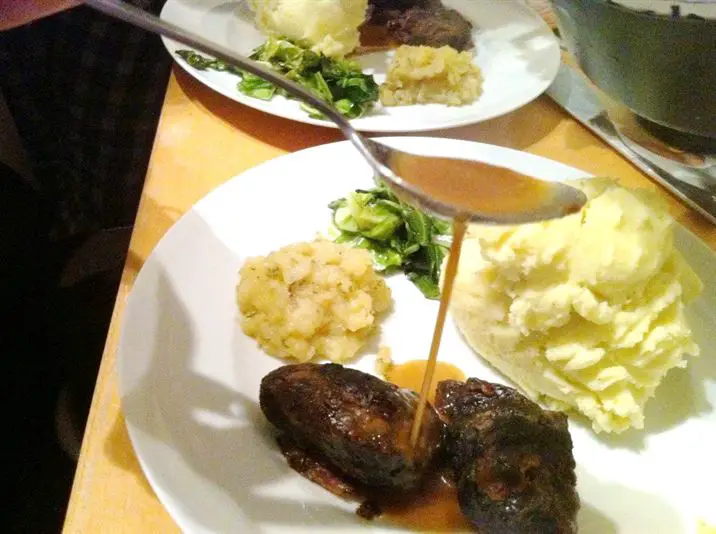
330 26
422 74
583 313
310 301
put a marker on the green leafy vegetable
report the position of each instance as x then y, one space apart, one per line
200 62
398 236
337 81
256 87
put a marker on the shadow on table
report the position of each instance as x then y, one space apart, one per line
282 133
210 454
519 129
578 137
119 450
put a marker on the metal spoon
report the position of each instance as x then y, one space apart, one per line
559 200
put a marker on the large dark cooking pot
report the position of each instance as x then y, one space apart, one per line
661 66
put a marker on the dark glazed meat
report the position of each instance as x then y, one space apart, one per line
401 5
353 422
380 11
421 22
434 27
512 460
317 470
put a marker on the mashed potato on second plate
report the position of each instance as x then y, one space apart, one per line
330 26
310 301
584 312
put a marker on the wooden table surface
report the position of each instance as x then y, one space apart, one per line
204 139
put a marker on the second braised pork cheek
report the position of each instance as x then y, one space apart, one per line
513 460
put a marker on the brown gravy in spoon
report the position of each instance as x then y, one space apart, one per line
472 185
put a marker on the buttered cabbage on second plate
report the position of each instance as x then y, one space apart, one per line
515 51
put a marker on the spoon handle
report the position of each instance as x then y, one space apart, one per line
136 17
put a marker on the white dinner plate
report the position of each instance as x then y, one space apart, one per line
189 377
517 52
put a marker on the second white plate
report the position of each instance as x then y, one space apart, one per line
517 52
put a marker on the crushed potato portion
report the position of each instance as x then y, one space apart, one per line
312 301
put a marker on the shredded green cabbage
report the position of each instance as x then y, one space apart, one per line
337 81
398 236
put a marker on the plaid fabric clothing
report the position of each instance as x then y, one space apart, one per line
86 92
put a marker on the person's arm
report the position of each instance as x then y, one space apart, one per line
18 12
